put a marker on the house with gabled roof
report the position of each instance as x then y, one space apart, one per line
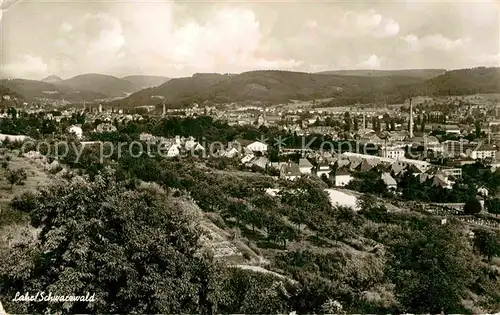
290 171
367 165
305 166
260 162
389 181
354 165
397 169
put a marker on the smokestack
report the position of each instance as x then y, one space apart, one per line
100 108
364 120
411 120
164 112
489 133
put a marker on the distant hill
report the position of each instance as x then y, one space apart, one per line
107 85
145 81
462 82
52 79
264 86
32 89
412 73
189 89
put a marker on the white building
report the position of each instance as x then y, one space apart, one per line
305 166
323 169
173 151
230 153
483 151
392 152
257 146
342 178
77 131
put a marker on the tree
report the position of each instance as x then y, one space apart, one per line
422 126
431 267
478 129
16 177
393 125
487 243
472 206
136 249
493 205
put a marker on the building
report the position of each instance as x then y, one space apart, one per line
455 172
323 169
458 148
257 146
260 162
305 166
483 151
290 171
389 181
392 152
342 177
173 151
77 131
105 127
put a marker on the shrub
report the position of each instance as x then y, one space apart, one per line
26 202
16 177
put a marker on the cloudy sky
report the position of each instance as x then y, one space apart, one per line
67 38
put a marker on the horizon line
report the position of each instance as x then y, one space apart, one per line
5 77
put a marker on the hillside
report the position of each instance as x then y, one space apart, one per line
145 81
264 86
6 91
462 82
32 90
413 73
176 91
98 83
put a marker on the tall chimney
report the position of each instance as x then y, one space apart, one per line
489 133
411 120
364 121
164 112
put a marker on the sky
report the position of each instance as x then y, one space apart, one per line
179 38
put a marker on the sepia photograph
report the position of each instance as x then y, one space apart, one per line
249 157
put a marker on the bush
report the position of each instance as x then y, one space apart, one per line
26 202
16 177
